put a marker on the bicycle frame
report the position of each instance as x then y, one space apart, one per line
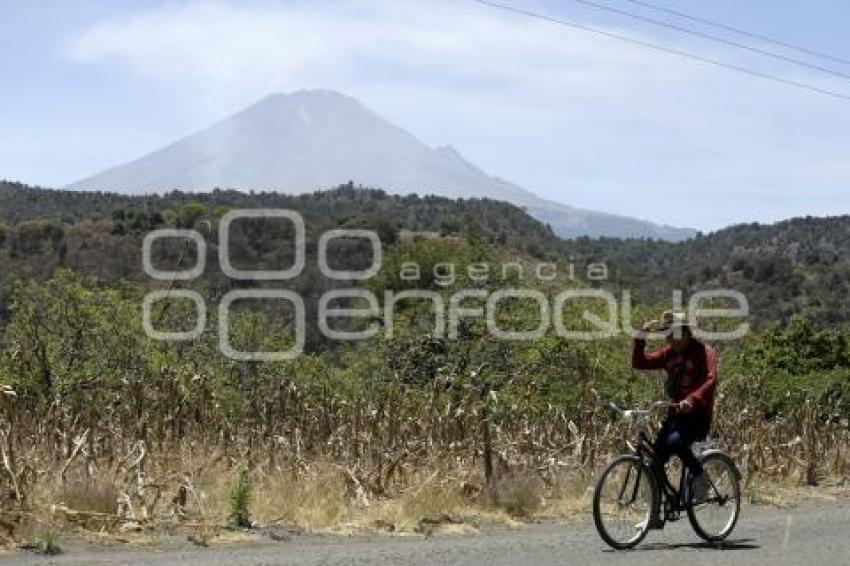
671 498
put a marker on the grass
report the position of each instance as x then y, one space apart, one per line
48 541
92 495
319 498
519 495
315 499
41 537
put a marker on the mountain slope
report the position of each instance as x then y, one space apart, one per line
320 139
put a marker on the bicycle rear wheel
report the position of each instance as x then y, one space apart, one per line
714 518
623 502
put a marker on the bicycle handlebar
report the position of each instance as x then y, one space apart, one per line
631 413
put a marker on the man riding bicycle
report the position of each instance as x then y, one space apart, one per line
691 368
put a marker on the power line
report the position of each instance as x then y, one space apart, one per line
663 49
718 39
740 31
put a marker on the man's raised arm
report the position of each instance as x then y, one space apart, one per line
643 360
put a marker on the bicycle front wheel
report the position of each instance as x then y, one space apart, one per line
623 502
713 518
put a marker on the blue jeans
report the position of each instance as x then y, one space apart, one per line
675 438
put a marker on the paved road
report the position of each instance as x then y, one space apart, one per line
811 534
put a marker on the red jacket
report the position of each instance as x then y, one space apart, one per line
691 374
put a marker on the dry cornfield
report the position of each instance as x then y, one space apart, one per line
407 458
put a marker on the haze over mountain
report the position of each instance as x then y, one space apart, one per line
319 139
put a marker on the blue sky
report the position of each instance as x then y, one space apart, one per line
576 118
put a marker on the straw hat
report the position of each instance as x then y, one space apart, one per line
670 320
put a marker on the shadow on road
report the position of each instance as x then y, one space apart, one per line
739 544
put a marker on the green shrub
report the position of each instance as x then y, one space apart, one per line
240 499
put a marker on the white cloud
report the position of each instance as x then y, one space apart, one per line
206 41
223 43
544 105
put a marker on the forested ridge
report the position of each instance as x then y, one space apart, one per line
798 266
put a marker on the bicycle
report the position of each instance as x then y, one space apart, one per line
630 491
